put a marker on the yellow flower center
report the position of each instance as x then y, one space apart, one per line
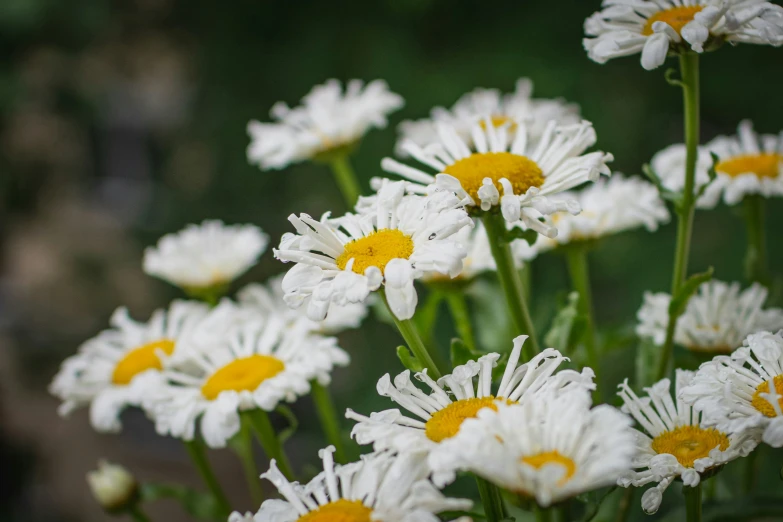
242 374
499 121
141 359
762 404
341 510
762 165
690 443
676 17
377 249
522 172
540 460
445 423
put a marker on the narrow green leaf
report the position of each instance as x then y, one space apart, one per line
293 422
528 235
408 359
679 301
460 353
559 335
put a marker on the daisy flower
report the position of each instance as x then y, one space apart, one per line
676 443
205 256
609 206
734 391
656 27
259 365
509 173
716 320
116 368
549 449
378 487
501 109
669 166
268 298
459 396
342 260
328 120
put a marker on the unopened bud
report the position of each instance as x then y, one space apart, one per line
113 486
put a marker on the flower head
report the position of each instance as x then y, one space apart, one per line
342 260
656 27
743 391
501 109
257 365
506 171
112 486
380 486
441 414
675 443
717 319
208 255
328 120
551 448
117 368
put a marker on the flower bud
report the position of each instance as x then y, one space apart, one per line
112 486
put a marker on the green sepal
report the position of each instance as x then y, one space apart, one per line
200 504
408 359
680 300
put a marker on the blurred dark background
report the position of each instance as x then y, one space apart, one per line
124 120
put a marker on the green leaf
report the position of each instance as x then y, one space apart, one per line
199 504
408 359
528 235
567 326
666 194
670 79
593 501
680 300
427 313
460 353
293 422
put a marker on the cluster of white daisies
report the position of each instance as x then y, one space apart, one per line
528 427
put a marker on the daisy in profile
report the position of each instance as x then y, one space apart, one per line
329 121
502 110
676 442
549 449
716 320
206 256
655 28
342 260
609 206
268 298
378 487
744 390
257 366
669 166
505 171
459 396
118 367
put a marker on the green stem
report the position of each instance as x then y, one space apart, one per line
689 70
269 440
692 503
138 514
199 457
243 447
751 467
624 508
494 509
327 414
579 272
756 269
543 514
411 335
346 180
510 282
459 312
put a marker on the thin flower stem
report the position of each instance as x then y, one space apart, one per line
579 272
624 508
198 455
269 440
689 70
543 514
458 306
510 282
138 514
243 447
412 338
494 509
346 180
692 503
327 414
756 268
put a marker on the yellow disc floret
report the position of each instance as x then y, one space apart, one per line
762 404
762 165
244 374
376 249
676 17
339 511
522 172
445 423
141 359
539 460
690 443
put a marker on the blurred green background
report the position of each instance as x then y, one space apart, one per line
124 120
